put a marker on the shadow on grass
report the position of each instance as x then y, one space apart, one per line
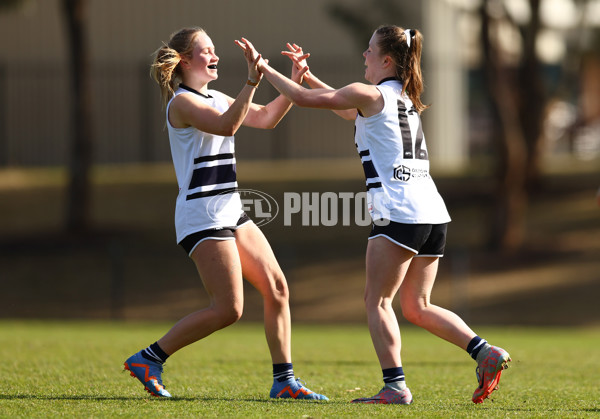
69 397
75 397
335 363
539 411
374 362
209 399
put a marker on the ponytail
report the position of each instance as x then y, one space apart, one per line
165 70
405 47
162 71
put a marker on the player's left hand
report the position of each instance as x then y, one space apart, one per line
298 57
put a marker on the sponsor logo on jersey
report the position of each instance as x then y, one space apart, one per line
404 173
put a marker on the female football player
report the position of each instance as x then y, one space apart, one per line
409 216
209 221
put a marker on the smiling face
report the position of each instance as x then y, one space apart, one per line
378 65
202 63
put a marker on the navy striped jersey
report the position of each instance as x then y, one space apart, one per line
394 156
206 173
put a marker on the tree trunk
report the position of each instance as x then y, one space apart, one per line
533 99
508 215
78 193
508 230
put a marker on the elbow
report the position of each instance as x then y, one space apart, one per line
272 125
228 131
224 132
266 125
267 120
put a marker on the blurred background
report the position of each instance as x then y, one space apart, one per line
87 189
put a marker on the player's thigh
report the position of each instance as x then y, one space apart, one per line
220 269
419 280
259 265
387 263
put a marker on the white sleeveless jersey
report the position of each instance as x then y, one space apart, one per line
205 167
394 156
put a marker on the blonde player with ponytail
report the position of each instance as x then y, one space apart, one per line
210 223
409 216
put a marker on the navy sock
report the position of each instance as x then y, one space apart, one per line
475 346
283 372
392 375
155 353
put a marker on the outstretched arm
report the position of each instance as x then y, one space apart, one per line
298 57
268 116
365 98
351 97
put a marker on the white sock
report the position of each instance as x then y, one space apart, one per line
396 385
483 352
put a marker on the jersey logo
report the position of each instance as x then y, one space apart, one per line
402 173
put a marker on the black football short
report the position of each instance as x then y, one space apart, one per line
422 239
190 242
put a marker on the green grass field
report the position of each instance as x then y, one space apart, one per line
74 369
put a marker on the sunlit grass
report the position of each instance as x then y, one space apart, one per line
74 369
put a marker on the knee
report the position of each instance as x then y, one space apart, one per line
232 316
278 291
374 302
281 288
413 312
227 316
370 303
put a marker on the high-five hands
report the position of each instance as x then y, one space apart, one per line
253 58
298 57
256 62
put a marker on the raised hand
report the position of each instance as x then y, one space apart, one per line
298 57
253 58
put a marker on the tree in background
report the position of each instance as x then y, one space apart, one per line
520 95
518 101
78 196
77 217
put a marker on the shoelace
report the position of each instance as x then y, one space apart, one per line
301 382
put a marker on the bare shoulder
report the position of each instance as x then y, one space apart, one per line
363 89
184 107
368 98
